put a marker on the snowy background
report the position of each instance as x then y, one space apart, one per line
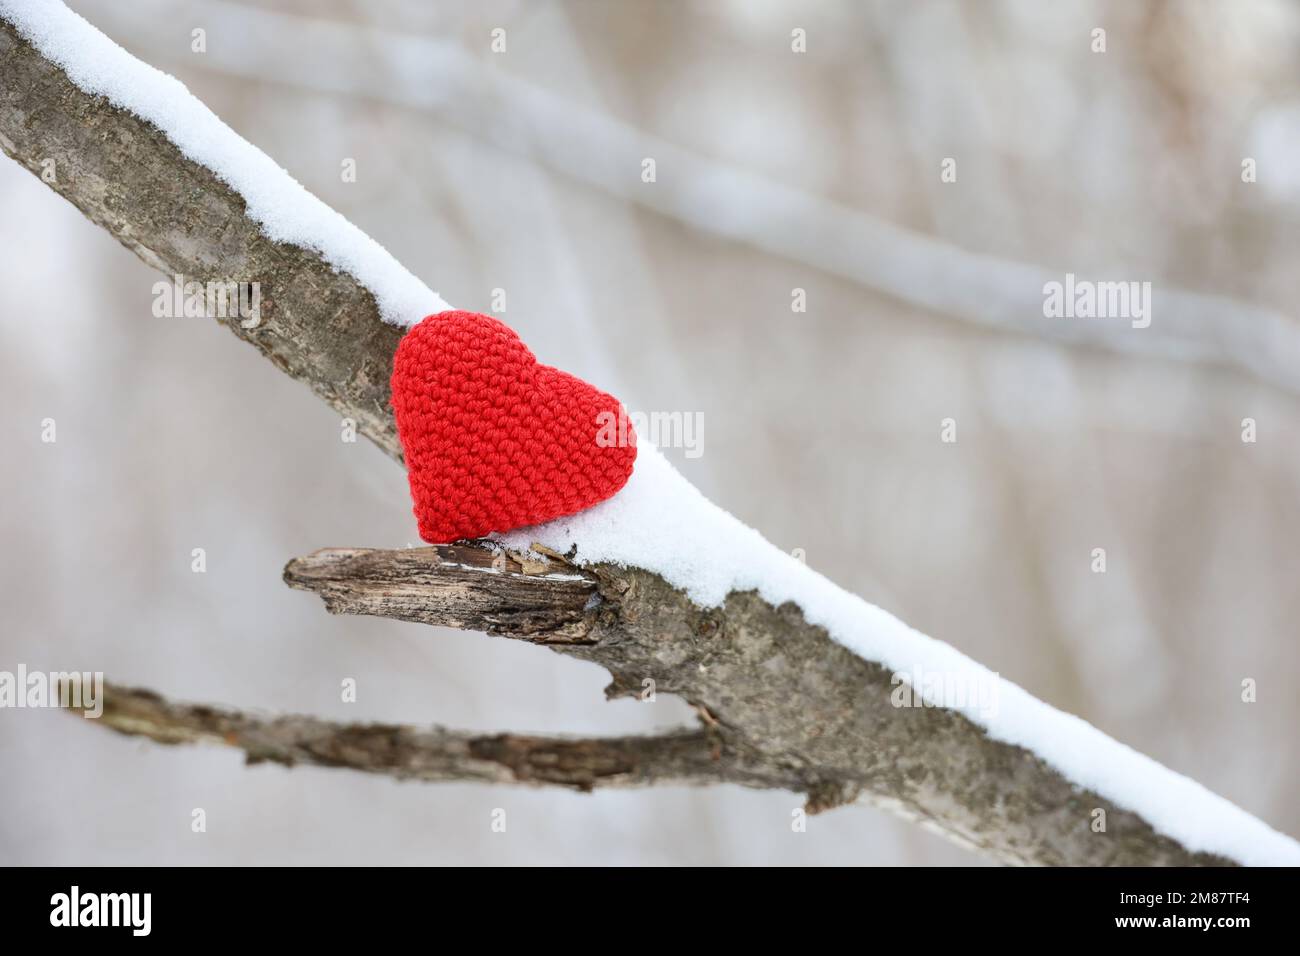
821 429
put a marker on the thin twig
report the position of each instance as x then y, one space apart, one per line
435 754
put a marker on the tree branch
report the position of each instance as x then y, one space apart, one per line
784 705
584 144
471 588
435 754
318 325
770 686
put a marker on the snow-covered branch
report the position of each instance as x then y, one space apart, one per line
796 681
778 695
317 324
436 76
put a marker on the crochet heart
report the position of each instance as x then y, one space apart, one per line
493 440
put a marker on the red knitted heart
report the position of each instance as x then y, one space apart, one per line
493 440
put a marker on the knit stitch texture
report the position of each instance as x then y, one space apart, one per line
493 440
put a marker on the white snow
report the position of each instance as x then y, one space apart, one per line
276 201
708 553
659 521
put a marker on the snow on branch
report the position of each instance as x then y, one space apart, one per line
774 690
795 680
438 76
319 325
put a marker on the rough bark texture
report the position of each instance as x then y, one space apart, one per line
782 704
433 753
317 325
775 690
477 589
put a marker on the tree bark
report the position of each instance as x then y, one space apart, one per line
317 325
777 691
434 754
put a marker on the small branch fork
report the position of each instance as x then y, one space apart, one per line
781 707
